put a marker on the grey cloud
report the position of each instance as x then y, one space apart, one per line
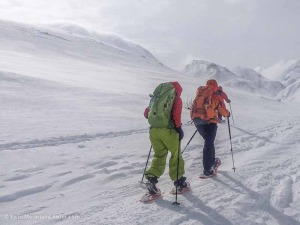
228 32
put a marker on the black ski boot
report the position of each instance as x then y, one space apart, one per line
151 185
182 186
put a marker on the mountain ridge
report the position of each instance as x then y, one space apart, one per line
238 78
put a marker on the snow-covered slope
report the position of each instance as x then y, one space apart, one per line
206 70
74 143
259 69
107 38
290 93
291 75
50 54
259 83
291 78
100 74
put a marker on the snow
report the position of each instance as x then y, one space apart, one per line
275 71
243 79
74 142
208 70
259 83
292 74
292 92
108 38
291 78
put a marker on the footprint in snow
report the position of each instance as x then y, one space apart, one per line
18 177
115 176
62 174
78 179
260 144
106 165
35 169
22 193
283 193
126 168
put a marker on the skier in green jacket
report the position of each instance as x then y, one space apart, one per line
164 139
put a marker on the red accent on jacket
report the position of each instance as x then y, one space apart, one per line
217 102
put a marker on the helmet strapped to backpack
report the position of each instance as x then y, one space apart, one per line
161 105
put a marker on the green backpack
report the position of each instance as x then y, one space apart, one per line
160 107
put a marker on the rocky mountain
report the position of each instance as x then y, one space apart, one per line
206 70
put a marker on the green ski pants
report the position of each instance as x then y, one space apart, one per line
162 140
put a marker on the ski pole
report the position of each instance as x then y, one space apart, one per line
146 165
177 203
189 142
231 113
231 144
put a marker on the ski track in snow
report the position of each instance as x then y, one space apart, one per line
22 193
56 141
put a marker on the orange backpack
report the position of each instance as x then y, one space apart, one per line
202 109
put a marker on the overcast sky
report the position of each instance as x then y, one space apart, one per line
228 32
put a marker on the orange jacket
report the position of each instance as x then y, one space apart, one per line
177 105
217 102
217 105
223 94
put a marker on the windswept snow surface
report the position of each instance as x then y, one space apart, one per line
291 77
292 74
107 38
291 93
74 142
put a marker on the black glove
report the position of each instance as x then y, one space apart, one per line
228 115
229 101
180 132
